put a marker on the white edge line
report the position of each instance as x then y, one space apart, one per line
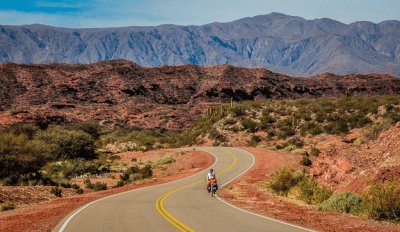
245 211
65 224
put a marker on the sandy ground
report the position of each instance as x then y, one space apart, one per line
44 216
247 193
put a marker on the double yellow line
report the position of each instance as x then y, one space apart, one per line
168 216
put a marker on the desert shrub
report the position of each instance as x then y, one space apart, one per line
120 183
34 178
7 207
27 129
99 186
311 193
67 144
136 173
79 191
65 185
315 151
311 128
357 120
372 131
88 184
267 121
296 141
80 166
305 161
19 155
320 117
256 138
56 191
382 200
239 111
75 186
283 180
230 121
250 125
285 128
345 202
91 128
338 127
146 171
163 160
214 134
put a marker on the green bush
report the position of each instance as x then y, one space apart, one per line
79 191
382 200
305 161
7 207
80 166
88 183
267 122
29 179
311 193
136 173
163 160
56 191
345 202
256 138
296 141
98 186
91 128
67 144
75 186
120 183
19 155
315 151
283 180
372 131
230 121
238 111
249 125
214 134
66 185
27 129
146 171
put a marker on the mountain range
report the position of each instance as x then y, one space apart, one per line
281 43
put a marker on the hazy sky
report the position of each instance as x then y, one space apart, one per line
116 13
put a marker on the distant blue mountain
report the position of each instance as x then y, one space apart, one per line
281 43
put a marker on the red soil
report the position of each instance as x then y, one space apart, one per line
247 193
45 216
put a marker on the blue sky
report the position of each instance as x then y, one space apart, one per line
117 13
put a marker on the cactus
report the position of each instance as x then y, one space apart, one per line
293 119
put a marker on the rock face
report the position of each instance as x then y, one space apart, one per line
169 97
350 167
286 44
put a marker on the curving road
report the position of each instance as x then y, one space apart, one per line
183 205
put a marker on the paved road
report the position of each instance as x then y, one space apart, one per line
183 205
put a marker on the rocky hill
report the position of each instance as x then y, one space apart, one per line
169 97
281 43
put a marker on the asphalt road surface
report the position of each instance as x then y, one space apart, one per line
183 205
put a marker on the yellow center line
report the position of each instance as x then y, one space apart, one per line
168 216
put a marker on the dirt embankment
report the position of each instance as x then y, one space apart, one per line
43 212
247 193
349 167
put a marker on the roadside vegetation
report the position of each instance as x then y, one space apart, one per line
379 201
53 152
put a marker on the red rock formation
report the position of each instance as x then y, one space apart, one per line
169 97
